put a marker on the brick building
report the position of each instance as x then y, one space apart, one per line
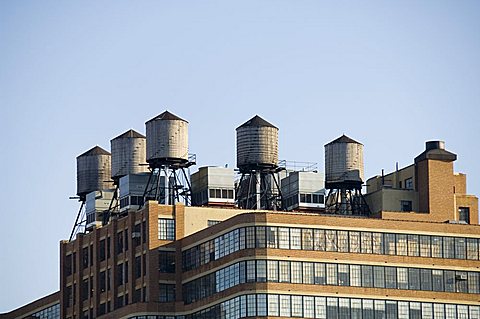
415 256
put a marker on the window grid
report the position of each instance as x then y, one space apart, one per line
323 240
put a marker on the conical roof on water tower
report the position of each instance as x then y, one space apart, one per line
257 144
344 161
93 171
128 154
167 140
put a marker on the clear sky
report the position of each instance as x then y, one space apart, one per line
75 74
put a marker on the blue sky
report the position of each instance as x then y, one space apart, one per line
74 74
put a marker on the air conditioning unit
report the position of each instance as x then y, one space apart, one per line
461 277
136 235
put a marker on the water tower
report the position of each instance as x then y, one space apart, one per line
168 159
344 176
93 174
257 161
128 157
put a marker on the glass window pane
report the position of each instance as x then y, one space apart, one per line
366 243
342 240
295 238
273 305
355 276
332 274
307 239
285 308
319 239
472 248
425 250
354 241
283 238
377 243
331 240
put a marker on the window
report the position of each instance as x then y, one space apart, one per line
283 238
356 308
85 257
377 243
413 247
342 241
448 247
285 306
402 278
472 249
307 239
261 305
138 266
272 266
261 271
260 238
308 307
402 244
297 306
166 261
460 248
166 229
250 237
378 277
320 277
332 274
409 183
414 278
331 240
102 281
425 250
389 244
355 276
272 305
272 241
343 275
437 280
425 279
319 239
167 293
464 214
295 238
284 271
213 222
308 273
119 245
437 246
101 250
344 308
367 276
449 280
390 277
354 242
406 205
366 242
296 271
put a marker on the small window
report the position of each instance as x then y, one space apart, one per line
409 183
464 214
309 198
166 229
302 198
406 205
212 222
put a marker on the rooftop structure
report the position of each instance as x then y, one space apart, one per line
415 255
